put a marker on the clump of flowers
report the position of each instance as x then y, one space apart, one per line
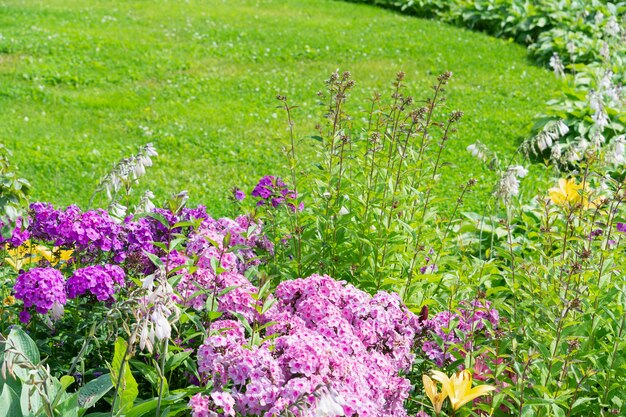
90 232
570 194
509 182
273 190
327 337
458 388
42 288
99 280
450 333
211 246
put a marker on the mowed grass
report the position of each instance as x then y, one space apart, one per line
85 83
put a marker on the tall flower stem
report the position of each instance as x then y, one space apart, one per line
162 376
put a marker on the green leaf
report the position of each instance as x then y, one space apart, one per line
66 381
69 406
30 400
150 405
22 342
175 360
147 372
93 390
155 259
126 385
9 403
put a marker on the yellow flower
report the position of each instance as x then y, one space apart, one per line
570 194
9 300
459 387
437 398
31 254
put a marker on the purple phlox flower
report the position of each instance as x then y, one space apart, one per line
621 227
273 190
99 280
595 233
42 288
238 194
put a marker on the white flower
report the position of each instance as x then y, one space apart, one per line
615 155
604 51
556 152
612 28
57 310
601 119
157 310
599 17
329 404
146 339
478 150
519 171
508 185
163 329
343 211
571 47
606 83
572 155
557 65
150 150
595 101
544 140
561 128
118 211
582 145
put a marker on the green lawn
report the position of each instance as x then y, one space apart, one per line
84 83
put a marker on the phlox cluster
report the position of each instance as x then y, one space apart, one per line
273 190
449 332
92 233
211 245
94 238
42 288
99 280
325 335
88 232
46 288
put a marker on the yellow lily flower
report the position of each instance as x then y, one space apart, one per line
436 397
9 300
31 254
570 194
459 387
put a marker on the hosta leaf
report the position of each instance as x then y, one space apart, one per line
93 390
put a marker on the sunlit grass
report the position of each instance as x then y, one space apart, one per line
84 83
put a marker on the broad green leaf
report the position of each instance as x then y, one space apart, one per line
22 342
147 372
127 389
175 360
93 390
69 406
9 403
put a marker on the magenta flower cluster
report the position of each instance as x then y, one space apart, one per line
449 333
40 288
89 232
19 234
45 288
273 190
320 333
99 280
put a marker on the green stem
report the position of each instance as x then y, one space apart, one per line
162 376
